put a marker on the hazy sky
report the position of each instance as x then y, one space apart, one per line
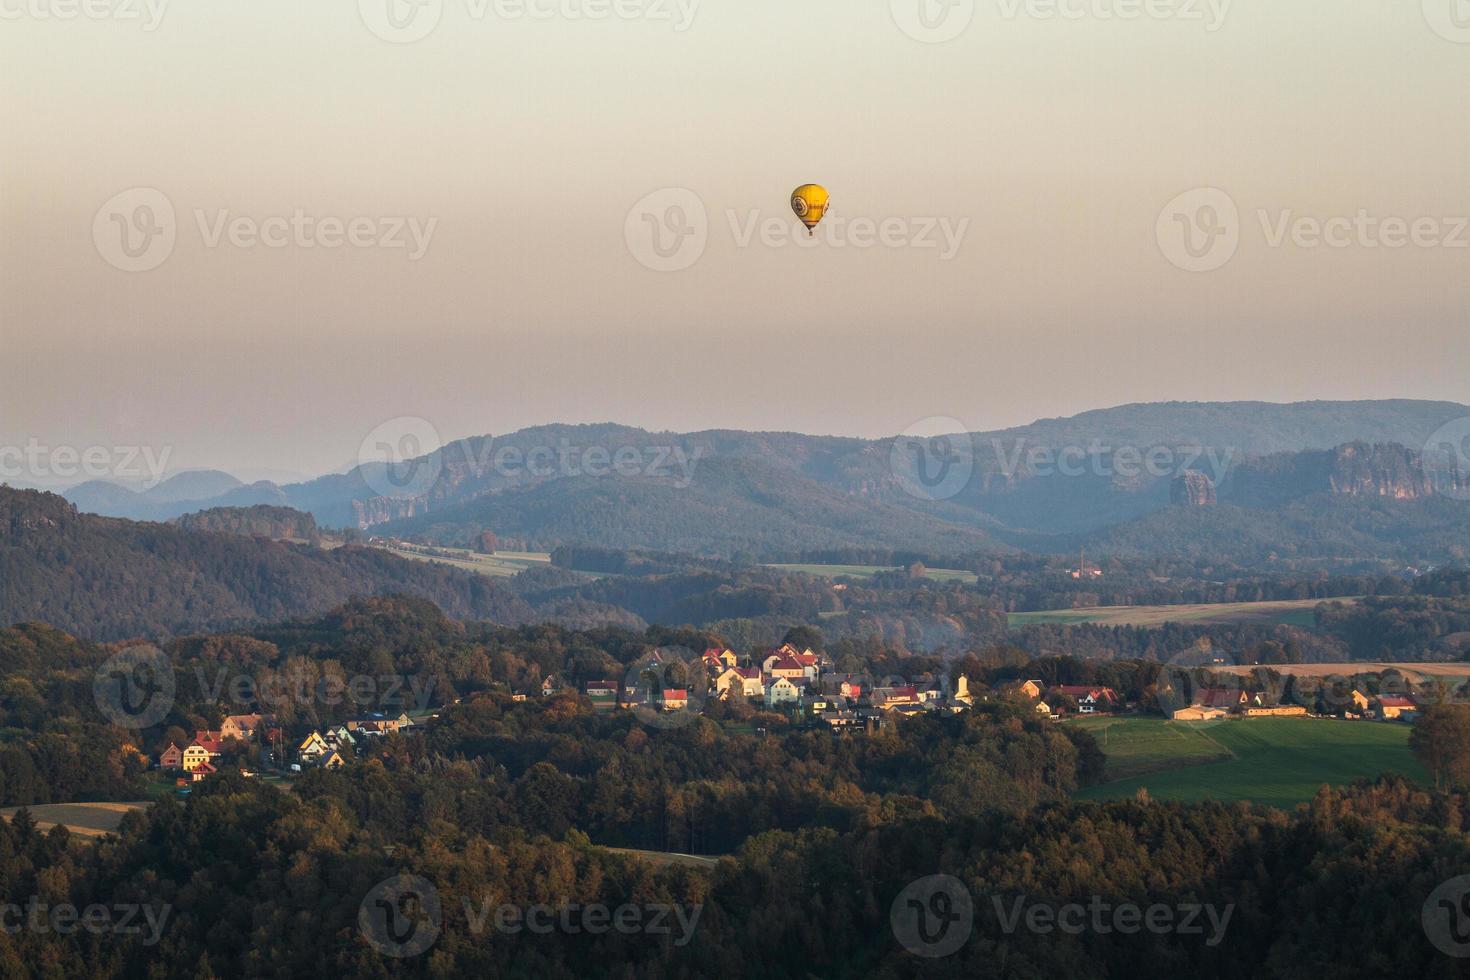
521 146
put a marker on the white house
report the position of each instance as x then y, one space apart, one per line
782 691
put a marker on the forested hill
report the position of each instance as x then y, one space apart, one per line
105 578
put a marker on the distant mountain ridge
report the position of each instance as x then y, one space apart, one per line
755 492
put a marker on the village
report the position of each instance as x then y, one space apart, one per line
799 686
256 740
802 686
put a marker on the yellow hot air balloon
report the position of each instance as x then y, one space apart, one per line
810 202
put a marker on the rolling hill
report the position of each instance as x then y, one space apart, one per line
107 578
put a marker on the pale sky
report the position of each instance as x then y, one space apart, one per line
1047 148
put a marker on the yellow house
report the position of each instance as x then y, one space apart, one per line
1197 712
715 657
195 755
1032 689
748 680
1043 709
241 727
312 745
333 760
1392 707
1360 700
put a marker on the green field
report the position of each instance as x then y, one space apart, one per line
502 564
1275 761
1286 612
868 571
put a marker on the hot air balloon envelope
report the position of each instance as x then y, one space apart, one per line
810 202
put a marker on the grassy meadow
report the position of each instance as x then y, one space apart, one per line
868 571
1286 612
1274 761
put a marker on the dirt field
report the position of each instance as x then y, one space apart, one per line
1413 671
663 858
82 819
1289 612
